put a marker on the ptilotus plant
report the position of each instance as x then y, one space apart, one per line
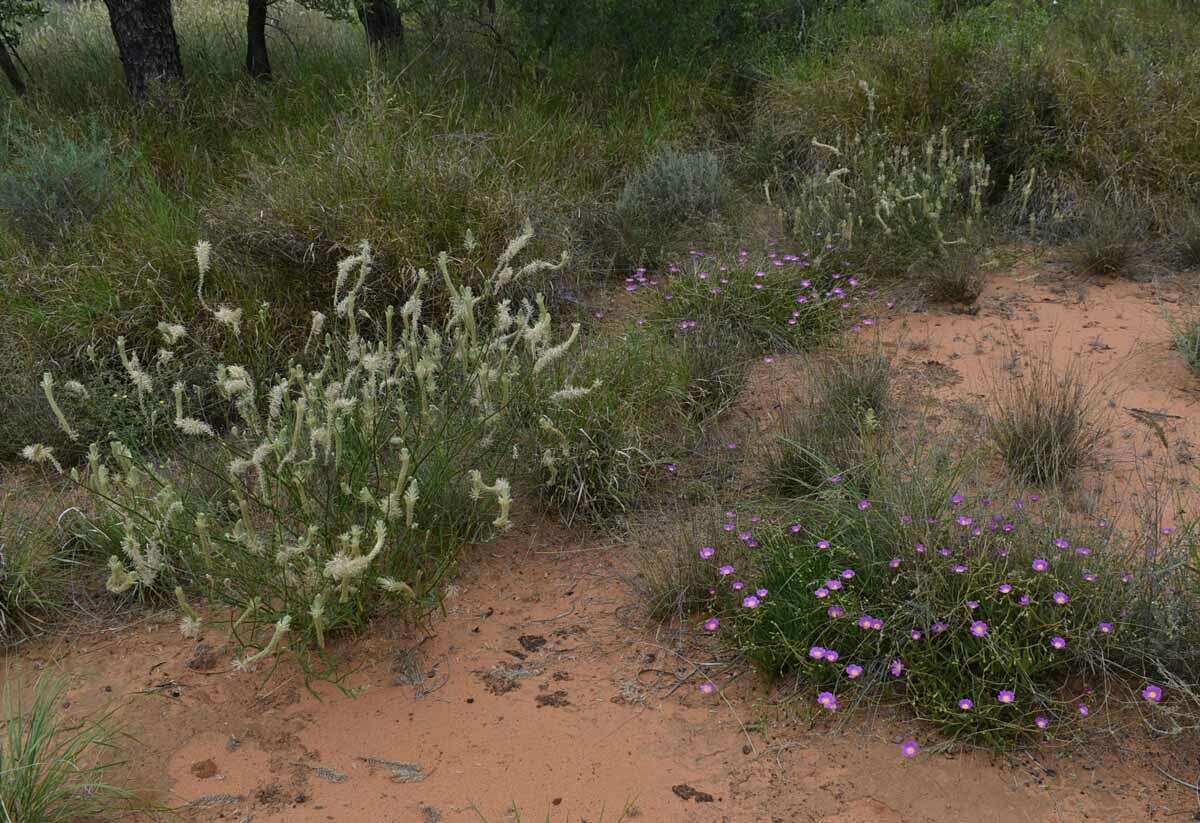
347 485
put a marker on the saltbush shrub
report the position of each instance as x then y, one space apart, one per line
51 182
674 188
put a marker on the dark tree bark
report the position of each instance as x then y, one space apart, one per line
145 35
9 67
383 24
258 61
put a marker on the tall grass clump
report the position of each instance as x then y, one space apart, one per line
673 188
835 431
778 302
51 767
1186 331
33 578
1111 238
1045 424
991 619
345 486
601 450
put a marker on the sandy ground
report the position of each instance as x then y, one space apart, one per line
542 690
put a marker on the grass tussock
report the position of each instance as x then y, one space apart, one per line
831 434
1046 424
51 767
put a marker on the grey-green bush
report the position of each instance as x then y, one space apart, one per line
674 188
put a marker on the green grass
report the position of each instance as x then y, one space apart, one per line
34 574
1046 424
51 767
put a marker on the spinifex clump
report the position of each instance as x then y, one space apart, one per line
981 614
347 485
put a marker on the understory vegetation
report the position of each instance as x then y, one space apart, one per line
301 344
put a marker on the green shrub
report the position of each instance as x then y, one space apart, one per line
347 485
1045 424
834 431
672 189
920 594
51 767
50 183
780 302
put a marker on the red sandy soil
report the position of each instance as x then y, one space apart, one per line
606 718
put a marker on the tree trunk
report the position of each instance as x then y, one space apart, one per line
145 35
258 61
383 24
9 67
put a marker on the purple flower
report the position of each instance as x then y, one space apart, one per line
897 667
939 627
817 652
863 505
1006 696
706 552
831 656
876 624
1127 578
1084 711
966 704
833 585
915 634
1088 577
750 602
1152 693
957 499
795 528
821 593
1105 628
835 479
979 628
1060 598
964 520
712 623
1041 721
910 749
1005 588
1061 543
894 563
1083 551
1040 565
864 622
835 611
828 700
738 585
1024 600
945 552
728 527
972 604
823 544
958 568
708 687
726 570
1058 642
762 593
854 671
847 574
